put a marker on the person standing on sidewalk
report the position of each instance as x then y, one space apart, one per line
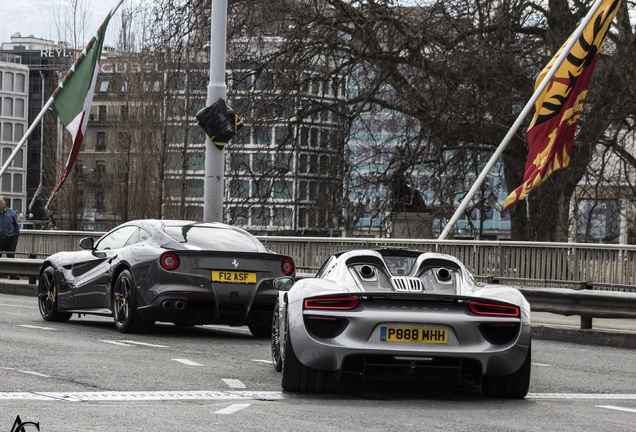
9 229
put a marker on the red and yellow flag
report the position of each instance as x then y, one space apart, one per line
550 135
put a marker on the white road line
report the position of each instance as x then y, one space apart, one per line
116 343
144 396
187 362
32 373
25 372
262 361
145 344
609 396
37 327
541 364
234 383
232 409
18 306
611 407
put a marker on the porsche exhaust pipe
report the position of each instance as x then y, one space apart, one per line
166 305
443 275
179 305
366 271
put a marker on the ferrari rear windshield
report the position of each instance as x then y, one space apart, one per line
210 238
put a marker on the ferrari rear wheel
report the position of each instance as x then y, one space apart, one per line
47 297
127 320
296 376
277 361
513 386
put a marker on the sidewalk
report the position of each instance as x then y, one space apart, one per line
618 333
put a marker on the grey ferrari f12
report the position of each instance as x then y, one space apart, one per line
182 272
400 314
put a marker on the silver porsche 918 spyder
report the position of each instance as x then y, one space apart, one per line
400 314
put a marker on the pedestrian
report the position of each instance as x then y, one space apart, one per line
49 224
9 229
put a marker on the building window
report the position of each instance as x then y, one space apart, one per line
283 217
103 86
239 162
19 108
262 163
19 83
102 113
261 216
7 132
7 107
123 112
101 141
282 189
6 183
239 188
8 81
18 132
123 141
239 216
17 183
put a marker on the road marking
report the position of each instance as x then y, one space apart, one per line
262 361
236 395
18 306
617 396
145 396
611 407
187 362
25 372
115 343
145 344
234 383
541 364
232 409
37 327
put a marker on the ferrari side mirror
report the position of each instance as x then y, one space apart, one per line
284 283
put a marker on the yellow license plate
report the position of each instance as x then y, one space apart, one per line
233 277
408 334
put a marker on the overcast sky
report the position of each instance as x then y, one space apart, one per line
37 17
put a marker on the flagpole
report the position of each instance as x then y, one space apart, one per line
38 118
526 110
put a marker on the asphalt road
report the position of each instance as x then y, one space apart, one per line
84 375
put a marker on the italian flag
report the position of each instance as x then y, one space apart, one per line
73 97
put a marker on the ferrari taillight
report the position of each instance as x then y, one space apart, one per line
332 303
288 267
490 309
169 261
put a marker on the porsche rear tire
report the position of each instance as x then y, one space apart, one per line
125 315
296 376
513 386
47 298
277 360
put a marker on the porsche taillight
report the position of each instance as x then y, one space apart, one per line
331 303
287 266
169 261
492 309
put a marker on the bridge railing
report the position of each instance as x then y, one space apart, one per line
531 264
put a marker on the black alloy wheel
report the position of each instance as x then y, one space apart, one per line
47 297
125 315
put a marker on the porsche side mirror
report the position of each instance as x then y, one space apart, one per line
87 243
284 283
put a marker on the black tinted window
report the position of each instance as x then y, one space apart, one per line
116 239
210 238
